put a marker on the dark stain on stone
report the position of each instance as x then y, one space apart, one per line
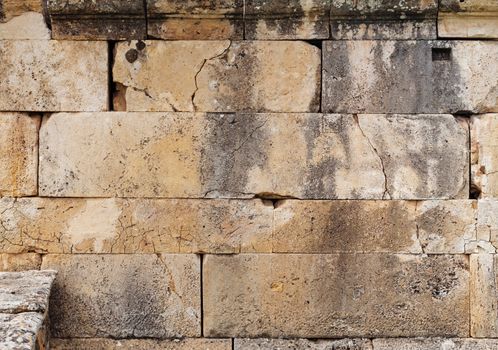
131 55
140 45
2 13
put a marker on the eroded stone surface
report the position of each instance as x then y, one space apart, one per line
410 76
19 262
240 155
47 75
134 225
22 331
18 154
195 20
217 76
435 344
487 225
24 26
484 141
337 295
124 295
141 344
298 344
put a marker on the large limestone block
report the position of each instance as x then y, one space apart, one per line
468 19
487 225
97 20
336 295
124 296
435 344
217 76
430 227
286 19
241 155
141 344
410 76
384 19
297 344
484 142
22 19
46 75
195 19
115 225
18 154
19 262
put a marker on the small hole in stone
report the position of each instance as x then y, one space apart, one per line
441 54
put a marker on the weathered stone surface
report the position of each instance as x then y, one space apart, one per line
385 19
22 331
49 225
25 291
487 225
484 142
217 76
435 344
124 296
300 344
286 19
97 20
46 75
18 154
430 227
240 155
195 19
410 76
22 19
19 262
345 295
141 344
468 19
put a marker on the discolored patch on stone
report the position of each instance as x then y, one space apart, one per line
337 295
484 136
141 344
19 262
294 344
22 20
435 344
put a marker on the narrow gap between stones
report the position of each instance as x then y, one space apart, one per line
146 20
201 257
110 82
474 190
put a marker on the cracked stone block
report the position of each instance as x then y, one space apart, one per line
484 142
430 227
47 75
18 154
337 295
468 19
287 19
24 331
217 76
22 19
435 344
97 20
487 225
188 155
65 225
195 19
141 344
18 262
125 296
410 76
385 19
295 344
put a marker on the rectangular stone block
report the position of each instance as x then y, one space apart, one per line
125 296
242 155
141 344
22 19
410 77
383 20
195 19
97 20
63 225
468 19
487 225
47 75
337 295
484 142
18 154
217 76
295 344
19 262
427 227
24 331
435 344
287 19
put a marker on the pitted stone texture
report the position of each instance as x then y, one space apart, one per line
97 20
19 262
124 296
337 295
195 19
240 155
468 19
141 344
49 225
47 75
217 76
18 154
484 142
22 19
430 227
435 344
301 344
22 331
410 76
386 19
286 19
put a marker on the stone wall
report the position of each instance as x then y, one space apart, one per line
228 174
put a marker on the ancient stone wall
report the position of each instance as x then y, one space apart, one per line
258 174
